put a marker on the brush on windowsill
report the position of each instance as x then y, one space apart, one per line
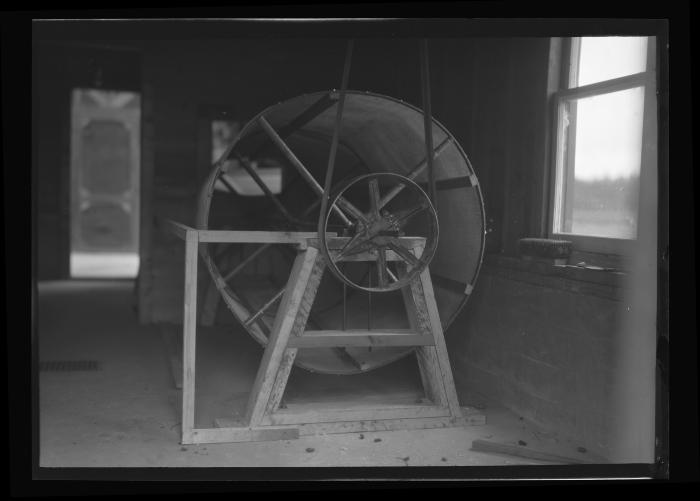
545 250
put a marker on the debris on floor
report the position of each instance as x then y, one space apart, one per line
310 449
377 439
522 451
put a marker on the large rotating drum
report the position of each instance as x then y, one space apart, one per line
379 135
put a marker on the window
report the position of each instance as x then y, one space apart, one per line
223 133
603 130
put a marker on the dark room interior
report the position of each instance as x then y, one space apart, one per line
552 207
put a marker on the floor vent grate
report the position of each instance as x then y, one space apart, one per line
68 365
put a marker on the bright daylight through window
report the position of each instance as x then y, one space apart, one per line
600 137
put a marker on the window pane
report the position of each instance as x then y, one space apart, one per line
600 164
603 58
269 170
223 133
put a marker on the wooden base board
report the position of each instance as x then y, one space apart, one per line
227 433
300 415
229 430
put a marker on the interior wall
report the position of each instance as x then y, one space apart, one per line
545 344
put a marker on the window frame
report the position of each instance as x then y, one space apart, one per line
647 79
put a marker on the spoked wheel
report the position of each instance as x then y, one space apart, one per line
398 232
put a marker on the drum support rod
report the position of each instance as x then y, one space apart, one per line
261 184
245 262
255 316
307 175
326 101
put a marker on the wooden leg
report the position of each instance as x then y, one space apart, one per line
281 379
285 321
436 357
427 358
297 330
189 332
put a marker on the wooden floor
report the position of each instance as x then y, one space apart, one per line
126 413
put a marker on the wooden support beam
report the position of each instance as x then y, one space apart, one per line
389 425
302 414
427 364
229 431
256 237
189 331
279 336
337 243
329 339
242 237
437 356
298 327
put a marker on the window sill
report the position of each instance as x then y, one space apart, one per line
607 284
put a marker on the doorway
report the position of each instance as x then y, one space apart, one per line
105 173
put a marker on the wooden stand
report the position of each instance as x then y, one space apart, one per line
263 418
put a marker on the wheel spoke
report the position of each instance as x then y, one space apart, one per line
405 217
404 253
393 277
381 266
304 172
354 211
415 172
351 244
374 197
